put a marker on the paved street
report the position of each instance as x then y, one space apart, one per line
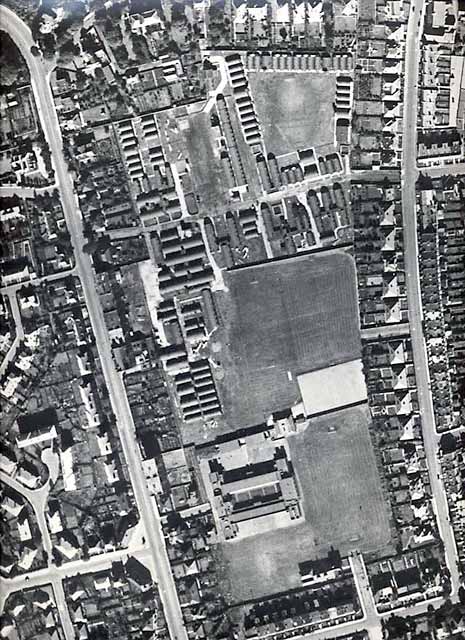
100 562
223 69
60 599
160 567
38 500
11 292
153 552
412 268
12 289
371 617
55 575
24 192
16 315
397 330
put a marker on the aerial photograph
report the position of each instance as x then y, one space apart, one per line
232 319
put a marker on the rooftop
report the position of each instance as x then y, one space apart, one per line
333 387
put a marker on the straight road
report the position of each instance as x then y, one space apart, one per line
100 562
37 498
62 606
55 575
370 622
371 618
25 192
397 330
412 268
12 289
223 69
21 35
16 315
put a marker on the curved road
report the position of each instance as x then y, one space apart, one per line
38 499
44 99
21 35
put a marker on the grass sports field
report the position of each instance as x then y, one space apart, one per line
343 504
295 109
284 318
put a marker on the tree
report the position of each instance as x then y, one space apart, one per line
48 42
397 626
174 47
121 52
35 51
448 443
68 47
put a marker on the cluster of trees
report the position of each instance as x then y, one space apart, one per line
450 617
12 64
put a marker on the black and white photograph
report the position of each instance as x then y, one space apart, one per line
232 319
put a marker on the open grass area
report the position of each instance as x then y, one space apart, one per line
339 479
295 109
284 318
343 504
205 165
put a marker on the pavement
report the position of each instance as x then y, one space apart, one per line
12 289
38 500
156 554
397 330
223 69
371 620
149 515
299 190
100 562
55 575
24 192
11 292
365 596
15 312
412 269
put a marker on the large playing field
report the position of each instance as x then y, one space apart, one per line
295 109
343 504
284 318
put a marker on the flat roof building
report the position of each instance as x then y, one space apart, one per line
333 387
38 427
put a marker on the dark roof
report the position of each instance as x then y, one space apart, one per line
443 136
381 581
15 265
137 571
150 445
408 577
39 421
321 565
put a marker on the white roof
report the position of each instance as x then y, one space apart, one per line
243 11
315 14
351 8
333 387
282 13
